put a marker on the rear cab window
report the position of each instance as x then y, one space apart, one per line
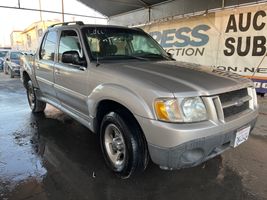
48 48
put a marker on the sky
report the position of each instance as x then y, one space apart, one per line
13 19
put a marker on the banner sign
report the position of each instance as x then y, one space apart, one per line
232 40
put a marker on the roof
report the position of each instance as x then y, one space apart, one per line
116 7
80 24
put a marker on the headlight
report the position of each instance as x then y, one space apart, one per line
168 110
193 109
186 110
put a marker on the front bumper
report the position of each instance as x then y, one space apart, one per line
175 146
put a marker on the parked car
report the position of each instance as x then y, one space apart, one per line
3 53
122 85
12 63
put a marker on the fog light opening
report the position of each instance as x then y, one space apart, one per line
192 156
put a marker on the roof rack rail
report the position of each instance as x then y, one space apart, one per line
138 29
67 23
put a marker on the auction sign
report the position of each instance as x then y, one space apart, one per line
232 40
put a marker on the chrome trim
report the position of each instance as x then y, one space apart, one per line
253 103
237 102
211 108
218 105
215 107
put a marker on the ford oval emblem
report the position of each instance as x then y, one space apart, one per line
239 102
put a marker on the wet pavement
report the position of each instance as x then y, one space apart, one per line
51 156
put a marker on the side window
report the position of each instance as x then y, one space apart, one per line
69 41
48 47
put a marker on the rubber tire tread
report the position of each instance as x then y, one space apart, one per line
39 106
136 147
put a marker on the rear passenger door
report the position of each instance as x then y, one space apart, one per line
45 64
71 80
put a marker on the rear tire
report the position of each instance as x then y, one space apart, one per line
35 104
123 144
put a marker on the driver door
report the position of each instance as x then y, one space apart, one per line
71 80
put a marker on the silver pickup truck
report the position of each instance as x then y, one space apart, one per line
142 104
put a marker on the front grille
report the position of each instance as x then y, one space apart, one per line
237 94
233 110
234 102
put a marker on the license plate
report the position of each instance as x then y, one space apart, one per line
241 136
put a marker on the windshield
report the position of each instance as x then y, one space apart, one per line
15 55
2 54
120 43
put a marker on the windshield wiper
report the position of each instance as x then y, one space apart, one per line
153 55
121 57
137 57
143 56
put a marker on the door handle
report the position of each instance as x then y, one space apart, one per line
57 72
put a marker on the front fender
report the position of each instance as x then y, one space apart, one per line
122 95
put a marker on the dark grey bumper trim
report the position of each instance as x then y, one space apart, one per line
172 158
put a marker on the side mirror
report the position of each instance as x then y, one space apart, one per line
170 56
7 59
69 56
72 57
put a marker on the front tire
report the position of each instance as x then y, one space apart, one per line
123 144
35 104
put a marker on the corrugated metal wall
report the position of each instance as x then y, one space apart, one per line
175 8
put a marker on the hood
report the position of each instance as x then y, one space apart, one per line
183 78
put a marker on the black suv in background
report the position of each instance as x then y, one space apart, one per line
12 63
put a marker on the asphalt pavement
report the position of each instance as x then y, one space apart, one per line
51 156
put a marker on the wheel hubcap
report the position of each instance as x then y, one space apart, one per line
115 145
